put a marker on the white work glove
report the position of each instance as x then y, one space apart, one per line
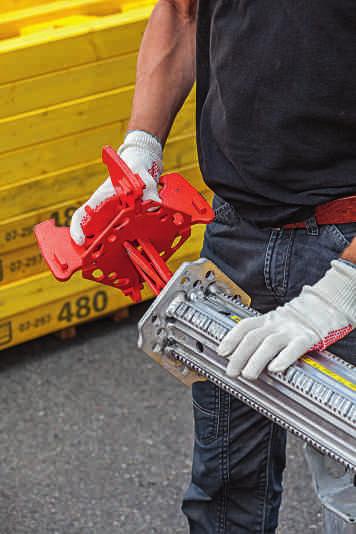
321 315
142 153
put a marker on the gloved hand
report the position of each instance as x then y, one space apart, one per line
321 315
143 154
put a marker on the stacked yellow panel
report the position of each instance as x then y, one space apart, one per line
67 72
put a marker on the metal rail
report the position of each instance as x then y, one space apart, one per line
315 399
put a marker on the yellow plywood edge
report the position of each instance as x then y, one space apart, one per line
41 304
63 13
69 311
17 232
20 264
64 47
14 22
12 5
24 5
77 149
75 181
67 85
69 118
64 119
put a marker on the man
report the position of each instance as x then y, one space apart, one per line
276 133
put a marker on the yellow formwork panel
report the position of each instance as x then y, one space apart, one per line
62 45
69 151
62 86
17 22
17 232
43 288
40 305
20 264
73 182
25 5
31 18
62 313
65 119
12 5
26 262
64 13
15 5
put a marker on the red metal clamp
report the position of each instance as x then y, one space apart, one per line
128 241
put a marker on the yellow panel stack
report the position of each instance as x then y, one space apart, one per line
67 72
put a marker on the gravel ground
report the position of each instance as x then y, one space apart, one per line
96 439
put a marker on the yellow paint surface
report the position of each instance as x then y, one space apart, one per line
61 86
328 372
67 70
20 264
11 5
39 305
65 119
80 148
16 233
62 46
74 182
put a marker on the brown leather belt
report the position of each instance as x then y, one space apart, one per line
339 211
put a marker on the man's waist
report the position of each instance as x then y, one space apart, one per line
338 211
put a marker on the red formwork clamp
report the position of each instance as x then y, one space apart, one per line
128 241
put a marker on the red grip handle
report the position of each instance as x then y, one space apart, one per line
125 182
127 242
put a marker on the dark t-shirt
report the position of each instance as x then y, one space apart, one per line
276 104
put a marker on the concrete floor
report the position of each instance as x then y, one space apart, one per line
96 439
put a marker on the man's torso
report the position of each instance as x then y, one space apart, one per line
276 104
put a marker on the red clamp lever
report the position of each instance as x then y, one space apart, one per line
128 241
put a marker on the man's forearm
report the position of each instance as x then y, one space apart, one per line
165 67
349 253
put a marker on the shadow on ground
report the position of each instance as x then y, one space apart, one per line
96 439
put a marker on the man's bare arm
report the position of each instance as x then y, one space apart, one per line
349 253
165 67
165 75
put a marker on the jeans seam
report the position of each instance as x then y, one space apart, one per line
224 464
210 413
267 478
218 407
287 261
203 410
227 458
268 257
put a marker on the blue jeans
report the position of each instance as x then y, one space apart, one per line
239 455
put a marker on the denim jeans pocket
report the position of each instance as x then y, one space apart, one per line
224 212
347 230
206 424
206 404
339 235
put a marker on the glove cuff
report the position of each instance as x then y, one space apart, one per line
143 141
339 287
